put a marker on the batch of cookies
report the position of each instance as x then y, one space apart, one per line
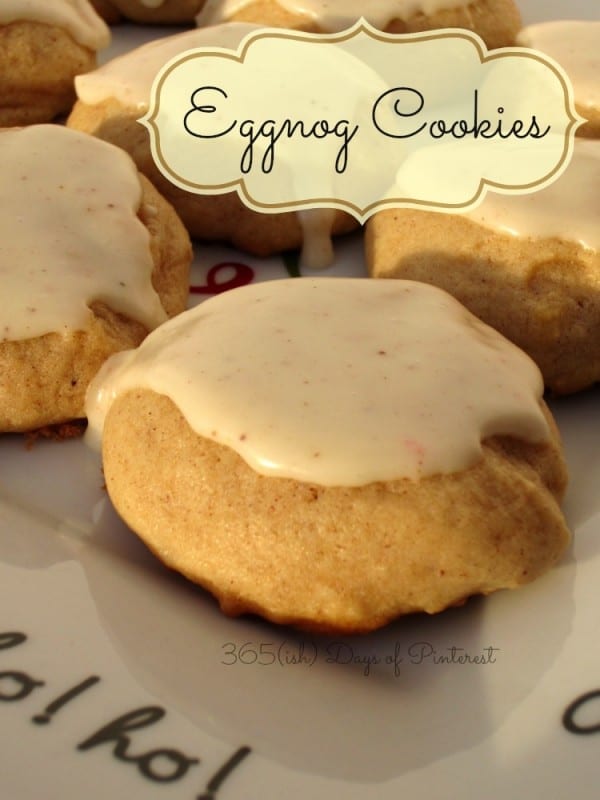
328 453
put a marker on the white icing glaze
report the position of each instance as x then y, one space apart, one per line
129 77
334 15
69 233
335 381
576 47
567 209
317 252
76 16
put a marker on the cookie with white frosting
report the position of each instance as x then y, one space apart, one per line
43 45
91 259
111 100
528 265
366 449
496 21
575 45
161 12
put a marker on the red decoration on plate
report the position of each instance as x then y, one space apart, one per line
242 275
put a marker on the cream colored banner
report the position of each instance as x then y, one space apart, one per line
361 120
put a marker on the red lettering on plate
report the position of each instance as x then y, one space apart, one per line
242 275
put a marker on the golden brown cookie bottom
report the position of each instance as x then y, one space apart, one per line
330 559
43 380
591 129
38 64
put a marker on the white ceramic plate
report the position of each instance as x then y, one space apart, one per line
120 679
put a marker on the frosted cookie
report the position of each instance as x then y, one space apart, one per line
162 12
496 21
112 98
528 265
575 45
43 45
92 259
367 449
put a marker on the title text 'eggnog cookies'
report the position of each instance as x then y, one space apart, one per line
111 100
496 21
333 453
575 45
91 259
528 265
43 45
165 12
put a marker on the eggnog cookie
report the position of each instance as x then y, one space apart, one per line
111 100
163 12
496 21
43 45
528 265
575 45
367 449
92 259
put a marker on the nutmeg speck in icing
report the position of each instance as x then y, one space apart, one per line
76 16
69 233
335 381
334 15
